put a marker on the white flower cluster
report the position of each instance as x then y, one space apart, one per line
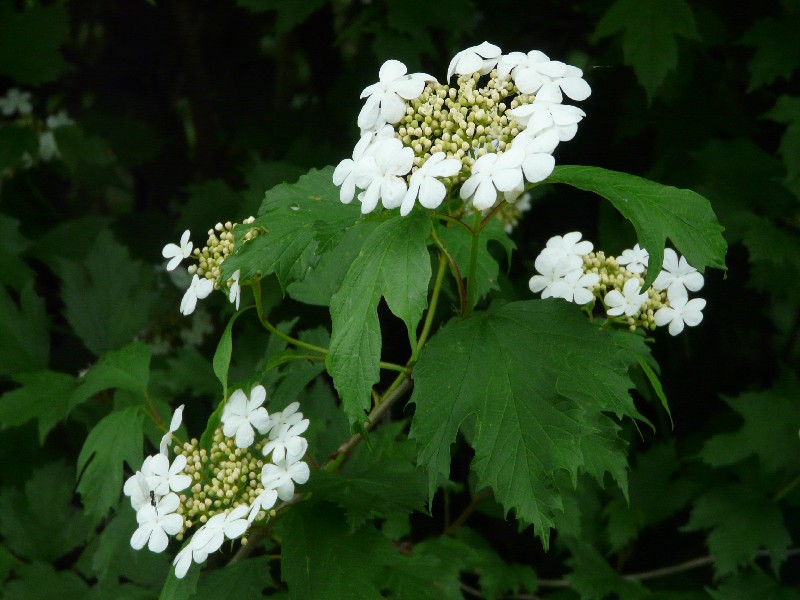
419 137
226 497
567 268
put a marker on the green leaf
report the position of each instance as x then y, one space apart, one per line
13 269
44 28
769 430
244 580
774 57
289 14
657 212
127 368
222 356
180 589
42 523
16 140
115 440
787 111
43 395
38 580
300 220
649 30
655 382
742 520
496 577
321 558
535 376
594 579
108 297
24 340
432 572
395 264
753 583
76 148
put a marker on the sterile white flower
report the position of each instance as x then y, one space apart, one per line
628 302
177 253
183 560
210 537
16 101
535 73
48 148
264 501
492 173
282 475
288 416
165 477
198 289
286 441
177 417
538 162
385 99
574 287
552 269
634 259
540 116
241 415
235 293
345 173
568 245
138 487
380 173
476 59
60 119
156 523
681 310
424 182
677 276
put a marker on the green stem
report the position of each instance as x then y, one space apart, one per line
387 366
462 294
787 488
451 219
472 290
437 286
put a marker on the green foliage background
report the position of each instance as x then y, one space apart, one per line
187 112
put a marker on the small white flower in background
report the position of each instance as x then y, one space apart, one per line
492 173
16 101
175 423
628 302
380 173
165 477
60 119
634 259
552 269
235 293
156 523
569 245
137 486
265 501
198 289
681 310
425 185
541 116
286 441
241 415
282 475
576 286
677 276
385 99
177 253
48 149
476 59
538 162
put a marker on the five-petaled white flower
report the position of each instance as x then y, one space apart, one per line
552 268
535 73
492 173
634 259
576 286
681 310
568 245
345 173
241 415
264 501
138 486
282 475
628 302
475 59
156 523
424 182
177 253
677 276
16 101
285 441
380 174
288 416
177 417
235 293
385 99
542 116
538 162
198 289
210 537
165 477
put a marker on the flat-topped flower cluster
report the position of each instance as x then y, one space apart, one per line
221 490
568 268
491 132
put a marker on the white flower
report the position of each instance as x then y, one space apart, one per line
552 269
380 173
183 560
576 286
60 119
177 417
138 487
282 476
16 101
425 185
634 259
48 149
345 172
198 289
165 477
240 415
156 523
177 253
476 59
538 162
541 116
677 276
492 173
235 293
628 302
568 245
535 73
681 310
264 501
385 99
288 416
286 441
